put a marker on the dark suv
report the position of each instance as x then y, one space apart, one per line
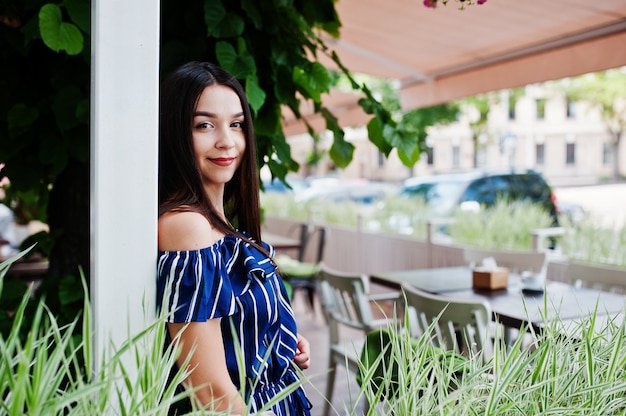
445 192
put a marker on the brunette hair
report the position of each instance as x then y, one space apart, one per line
180 183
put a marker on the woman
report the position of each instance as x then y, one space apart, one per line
225 301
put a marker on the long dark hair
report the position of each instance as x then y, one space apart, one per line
180 182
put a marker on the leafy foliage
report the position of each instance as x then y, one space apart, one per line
272 47
57 34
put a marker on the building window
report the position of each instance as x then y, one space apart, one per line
541 108
481 157
540 149
512 102
430 156
607 154
570 154
456 156
571 109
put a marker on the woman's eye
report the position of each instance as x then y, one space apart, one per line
237 124
203 125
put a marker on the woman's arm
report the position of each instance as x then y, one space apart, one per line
207 365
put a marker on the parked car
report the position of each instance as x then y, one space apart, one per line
296 182
444 193
330 189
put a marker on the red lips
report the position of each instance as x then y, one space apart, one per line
223 161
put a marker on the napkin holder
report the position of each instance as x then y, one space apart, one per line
491 279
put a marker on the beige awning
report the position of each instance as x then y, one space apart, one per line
443 54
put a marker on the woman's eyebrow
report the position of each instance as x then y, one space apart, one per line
203 114
213 115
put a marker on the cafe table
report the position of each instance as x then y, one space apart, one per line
281 242
512 306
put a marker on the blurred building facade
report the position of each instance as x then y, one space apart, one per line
542 130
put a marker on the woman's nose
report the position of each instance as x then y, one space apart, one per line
226 139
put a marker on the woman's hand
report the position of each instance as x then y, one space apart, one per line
303 353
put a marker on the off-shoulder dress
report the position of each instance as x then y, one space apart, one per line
235 281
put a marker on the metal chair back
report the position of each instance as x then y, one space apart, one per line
458 325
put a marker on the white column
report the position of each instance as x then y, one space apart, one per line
124 148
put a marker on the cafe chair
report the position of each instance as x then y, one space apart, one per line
515 260
348 303
606 278
301 272
462 325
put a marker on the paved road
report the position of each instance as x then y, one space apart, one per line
604 203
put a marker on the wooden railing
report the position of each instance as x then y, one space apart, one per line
359 251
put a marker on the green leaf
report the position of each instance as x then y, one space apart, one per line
376 136
244 65
241 65
341 152
221 24
214 12
80 13
277 169
231 26
254 92
82 111
409 159
253 12
367 105
285 90
268 121
314 79
283 152
20 118
226 55
320 75
400 139
59 35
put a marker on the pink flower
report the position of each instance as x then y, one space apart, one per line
432 3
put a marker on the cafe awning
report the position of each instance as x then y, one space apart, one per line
443 54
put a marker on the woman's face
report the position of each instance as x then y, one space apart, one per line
218 135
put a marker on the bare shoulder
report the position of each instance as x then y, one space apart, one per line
185 231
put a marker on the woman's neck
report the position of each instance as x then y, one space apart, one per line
215 194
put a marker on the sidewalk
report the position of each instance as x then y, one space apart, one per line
604 203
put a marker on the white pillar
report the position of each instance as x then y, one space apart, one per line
124 149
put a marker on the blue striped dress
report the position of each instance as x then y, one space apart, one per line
233 280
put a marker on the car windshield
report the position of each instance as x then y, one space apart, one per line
441 197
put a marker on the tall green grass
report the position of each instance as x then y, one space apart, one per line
51 371
394 214
569 368
587 242
506 225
